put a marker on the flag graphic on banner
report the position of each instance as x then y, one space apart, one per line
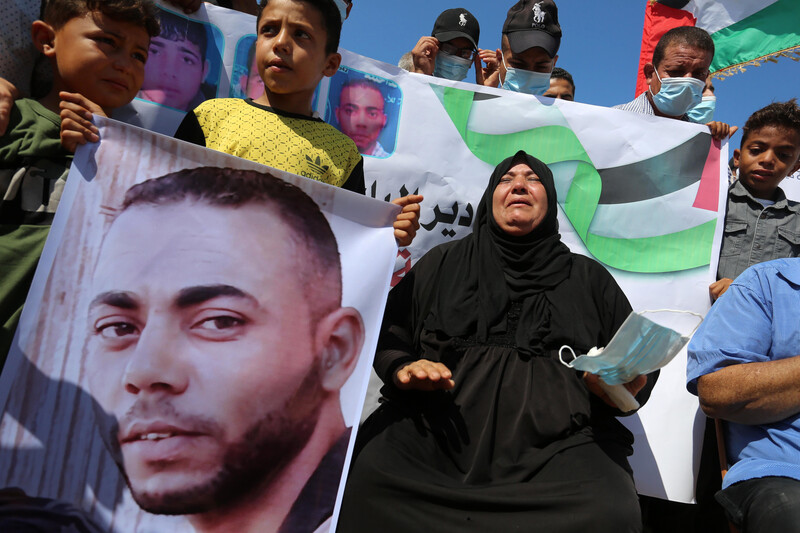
745 32
599 203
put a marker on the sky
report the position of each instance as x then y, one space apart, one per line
600 48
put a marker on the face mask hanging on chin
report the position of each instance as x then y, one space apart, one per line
678 95
525 81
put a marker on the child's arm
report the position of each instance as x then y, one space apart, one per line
407 222
719 287
720 130
8 95
76 120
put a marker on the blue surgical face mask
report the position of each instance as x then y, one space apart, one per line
703 113
678 95
525 81
451 67
639 347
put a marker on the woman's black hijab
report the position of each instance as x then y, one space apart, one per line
487 270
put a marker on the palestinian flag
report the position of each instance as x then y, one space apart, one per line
745 32
652 214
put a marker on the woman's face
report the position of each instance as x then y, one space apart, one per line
519 203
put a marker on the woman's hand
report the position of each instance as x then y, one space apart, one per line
424 375
593 384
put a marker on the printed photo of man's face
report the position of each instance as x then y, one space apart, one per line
254 85
202 348
361 114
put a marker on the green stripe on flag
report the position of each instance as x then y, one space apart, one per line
690 248
683 250
769 31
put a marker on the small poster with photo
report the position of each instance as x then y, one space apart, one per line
184 62
366 108
191 61
246 81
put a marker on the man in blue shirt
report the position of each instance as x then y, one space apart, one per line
744 366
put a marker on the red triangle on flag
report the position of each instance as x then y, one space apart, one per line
658 20
708 192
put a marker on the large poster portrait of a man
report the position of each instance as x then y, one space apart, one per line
206 326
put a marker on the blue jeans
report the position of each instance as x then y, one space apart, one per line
763 505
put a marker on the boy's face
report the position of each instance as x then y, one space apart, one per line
174 72
560 89
99 57
290 54
768 155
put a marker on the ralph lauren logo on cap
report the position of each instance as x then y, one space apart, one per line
538 14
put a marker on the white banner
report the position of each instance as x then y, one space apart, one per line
643 195
791 186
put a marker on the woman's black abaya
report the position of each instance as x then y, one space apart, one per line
519 444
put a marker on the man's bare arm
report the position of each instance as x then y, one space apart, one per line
752 393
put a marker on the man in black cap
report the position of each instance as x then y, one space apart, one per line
529 48
452 48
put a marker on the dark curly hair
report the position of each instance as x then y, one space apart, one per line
778 114
141 13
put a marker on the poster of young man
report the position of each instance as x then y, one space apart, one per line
194 351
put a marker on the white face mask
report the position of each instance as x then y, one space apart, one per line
678 95
525 81
639 347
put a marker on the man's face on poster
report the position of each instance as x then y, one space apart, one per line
361 116
201 346
254 85
174 72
